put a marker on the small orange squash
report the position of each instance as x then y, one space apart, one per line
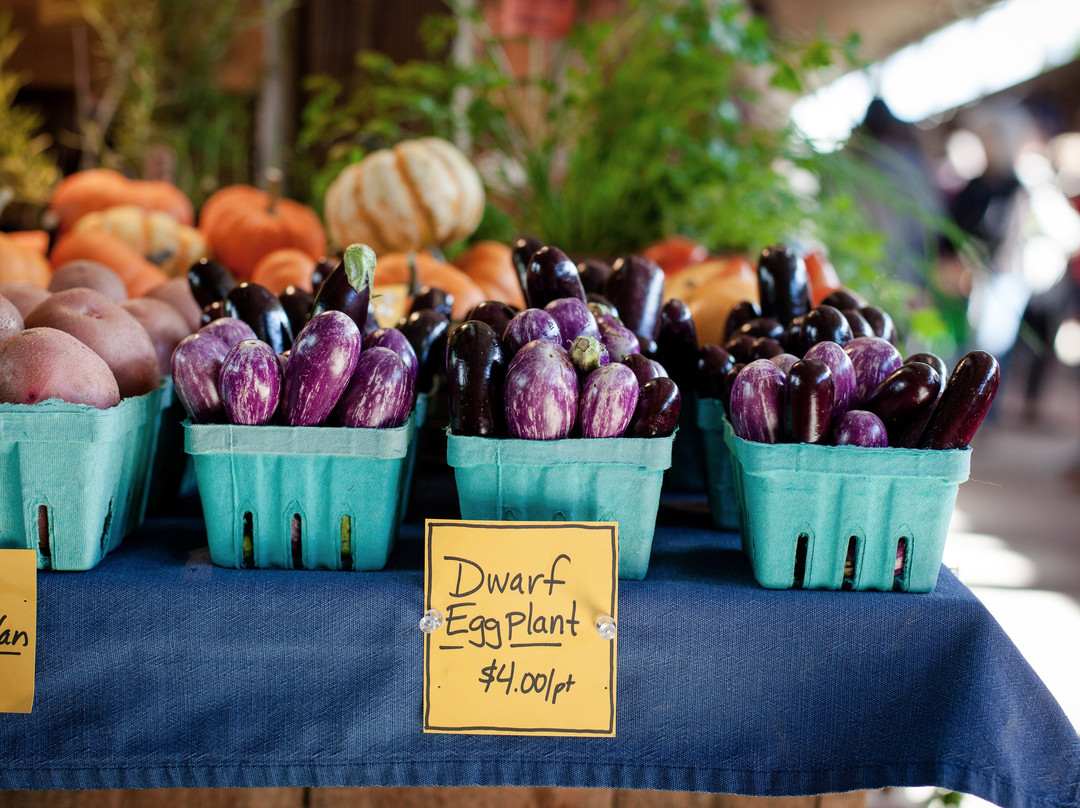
394 268
283 267
710 290
491 266
99 188
21 260
152 233
138 274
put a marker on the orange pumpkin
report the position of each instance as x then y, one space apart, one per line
674 253
242 224
21 260
710 290
394 268
490 264
99 188
153 234
138 274
283 267
822 276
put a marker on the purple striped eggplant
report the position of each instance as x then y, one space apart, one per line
643 367
229 330
551 275
784 361
195 366
636 288
541 392
657 412
860 428
808 401
574 319
620 341
783 284
757 402
393 339
963 406
475 373
713 363
729 384
874 359
843 373
904 398
528 325
588 354
380 394
321 363
609 398
250 383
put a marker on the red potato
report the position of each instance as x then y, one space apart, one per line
165 325
23 294
177 293
112 333
38 364
88 275
11 320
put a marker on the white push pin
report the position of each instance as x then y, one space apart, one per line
605 627
431 621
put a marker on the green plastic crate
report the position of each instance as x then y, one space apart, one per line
312 497
802 506
572 480
74 479
720 482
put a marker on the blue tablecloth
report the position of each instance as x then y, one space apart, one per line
157 669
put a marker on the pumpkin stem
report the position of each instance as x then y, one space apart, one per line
275 178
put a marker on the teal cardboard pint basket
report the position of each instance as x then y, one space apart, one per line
287 497
843 517
74 479
572 480
719 479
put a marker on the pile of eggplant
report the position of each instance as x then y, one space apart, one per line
243 366
832 374
574 363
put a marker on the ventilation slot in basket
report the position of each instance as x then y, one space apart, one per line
105 529
901 564
346 542
296 537
43 533
800 560
248 541
849 563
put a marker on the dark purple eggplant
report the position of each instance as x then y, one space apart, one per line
609 398
657 412
475 373
765 348
823 324
209 281
643 367
323 267
250 383
195 366
521 253
574 319
493 312
229 330
762 327
297 303
429 297
844 299
741 346
396 341
594 273
348 286
677 343
783 283
967 398
713 363
260 308
551 275
858 324
808 401
427 331
793 336
371 322
321 363
843 373
874 359
212 311
757 402
860 428
741 313
620 341
636 287
380 394
541 392
904 398
784 361
588 353
880 321
527 325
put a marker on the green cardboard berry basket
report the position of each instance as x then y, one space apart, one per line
719 480
839 517
572 480
313 497
74 480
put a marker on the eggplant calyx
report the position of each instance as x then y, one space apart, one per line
359 260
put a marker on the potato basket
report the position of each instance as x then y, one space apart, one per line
572 480
75 479
844 517
311 497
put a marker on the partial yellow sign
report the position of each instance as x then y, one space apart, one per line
18 629
518 651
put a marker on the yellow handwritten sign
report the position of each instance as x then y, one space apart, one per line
18 629
519 652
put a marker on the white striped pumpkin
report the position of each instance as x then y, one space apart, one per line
421 193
